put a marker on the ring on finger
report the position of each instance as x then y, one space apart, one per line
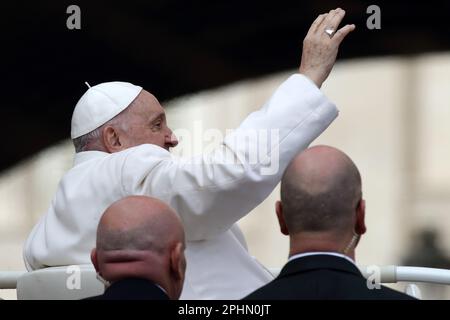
330 32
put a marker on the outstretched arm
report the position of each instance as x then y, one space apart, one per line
213 191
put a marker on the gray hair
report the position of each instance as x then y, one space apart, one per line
92 140
83 142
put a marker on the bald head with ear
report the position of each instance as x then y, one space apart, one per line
141 237
321 193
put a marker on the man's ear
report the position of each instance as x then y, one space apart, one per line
279 210
360 227
178 262
112 139
94 259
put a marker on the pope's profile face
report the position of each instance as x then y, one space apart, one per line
146 123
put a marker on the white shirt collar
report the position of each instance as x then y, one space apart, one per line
93 154
87 155
162 289
307 254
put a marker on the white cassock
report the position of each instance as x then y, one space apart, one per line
209 195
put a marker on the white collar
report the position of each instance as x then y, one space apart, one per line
87 155
307 254
84 156
162 289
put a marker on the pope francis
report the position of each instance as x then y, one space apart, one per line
122 144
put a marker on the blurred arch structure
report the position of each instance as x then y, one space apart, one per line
393 123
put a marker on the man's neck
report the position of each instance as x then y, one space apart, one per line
138 268
319 242
320 253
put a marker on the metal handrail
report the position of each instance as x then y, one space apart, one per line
387 274
394 274
8 279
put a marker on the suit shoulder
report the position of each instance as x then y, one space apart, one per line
389 293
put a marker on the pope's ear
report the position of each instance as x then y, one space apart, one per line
111 139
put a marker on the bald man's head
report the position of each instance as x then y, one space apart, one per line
141 237
139 223
320 191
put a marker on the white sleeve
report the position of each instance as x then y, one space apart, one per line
213 191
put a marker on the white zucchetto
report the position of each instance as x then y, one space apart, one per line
100 104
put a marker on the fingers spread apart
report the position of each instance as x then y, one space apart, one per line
326 26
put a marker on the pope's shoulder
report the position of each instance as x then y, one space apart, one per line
143 150
91 163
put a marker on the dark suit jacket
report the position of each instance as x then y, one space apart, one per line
132 289
321 277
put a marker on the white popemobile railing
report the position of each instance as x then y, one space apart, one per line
8 279
394 274
75 282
